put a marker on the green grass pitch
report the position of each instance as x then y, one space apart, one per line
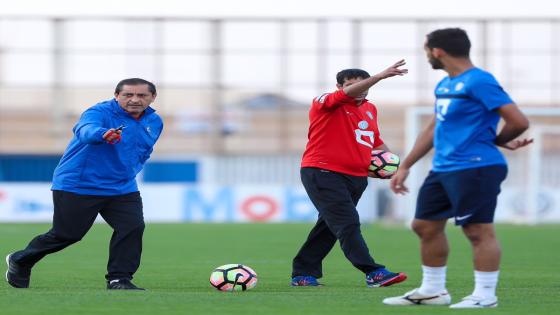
178 259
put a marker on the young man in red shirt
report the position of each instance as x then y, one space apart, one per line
342 133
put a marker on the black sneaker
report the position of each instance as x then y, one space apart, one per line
122 284
17 275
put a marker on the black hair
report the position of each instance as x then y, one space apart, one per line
453 41
348 74
135 81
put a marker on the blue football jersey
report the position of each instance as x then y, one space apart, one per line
466 121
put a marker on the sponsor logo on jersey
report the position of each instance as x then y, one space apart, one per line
363 124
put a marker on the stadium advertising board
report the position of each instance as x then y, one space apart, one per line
185 203
240 203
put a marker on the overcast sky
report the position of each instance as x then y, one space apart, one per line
286 8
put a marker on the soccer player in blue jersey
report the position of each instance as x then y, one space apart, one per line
467 172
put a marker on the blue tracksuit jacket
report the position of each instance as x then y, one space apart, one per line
90 166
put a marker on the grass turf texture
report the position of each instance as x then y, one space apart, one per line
178 260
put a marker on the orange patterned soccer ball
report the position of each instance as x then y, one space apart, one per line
233 277
384 164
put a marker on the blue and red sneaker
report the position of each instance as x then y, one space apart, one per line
383 278
305 281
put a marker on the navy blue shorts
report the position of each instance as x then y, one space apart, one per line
469 195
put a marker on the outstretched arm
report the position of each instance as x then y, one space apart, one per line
424 143
89 129
358 88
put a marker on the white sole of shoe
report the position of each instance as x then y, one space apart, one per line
420 302
475 307
414 298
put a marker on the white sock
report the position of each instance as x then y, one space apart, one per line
485 283
433 279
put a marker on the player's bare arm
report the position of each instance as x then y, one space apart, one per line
515 124
360 87
424 143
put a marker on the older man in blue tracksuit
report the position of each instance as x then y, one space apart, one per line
97 174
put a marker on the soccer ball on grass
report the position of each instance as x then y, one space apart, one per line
233 277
